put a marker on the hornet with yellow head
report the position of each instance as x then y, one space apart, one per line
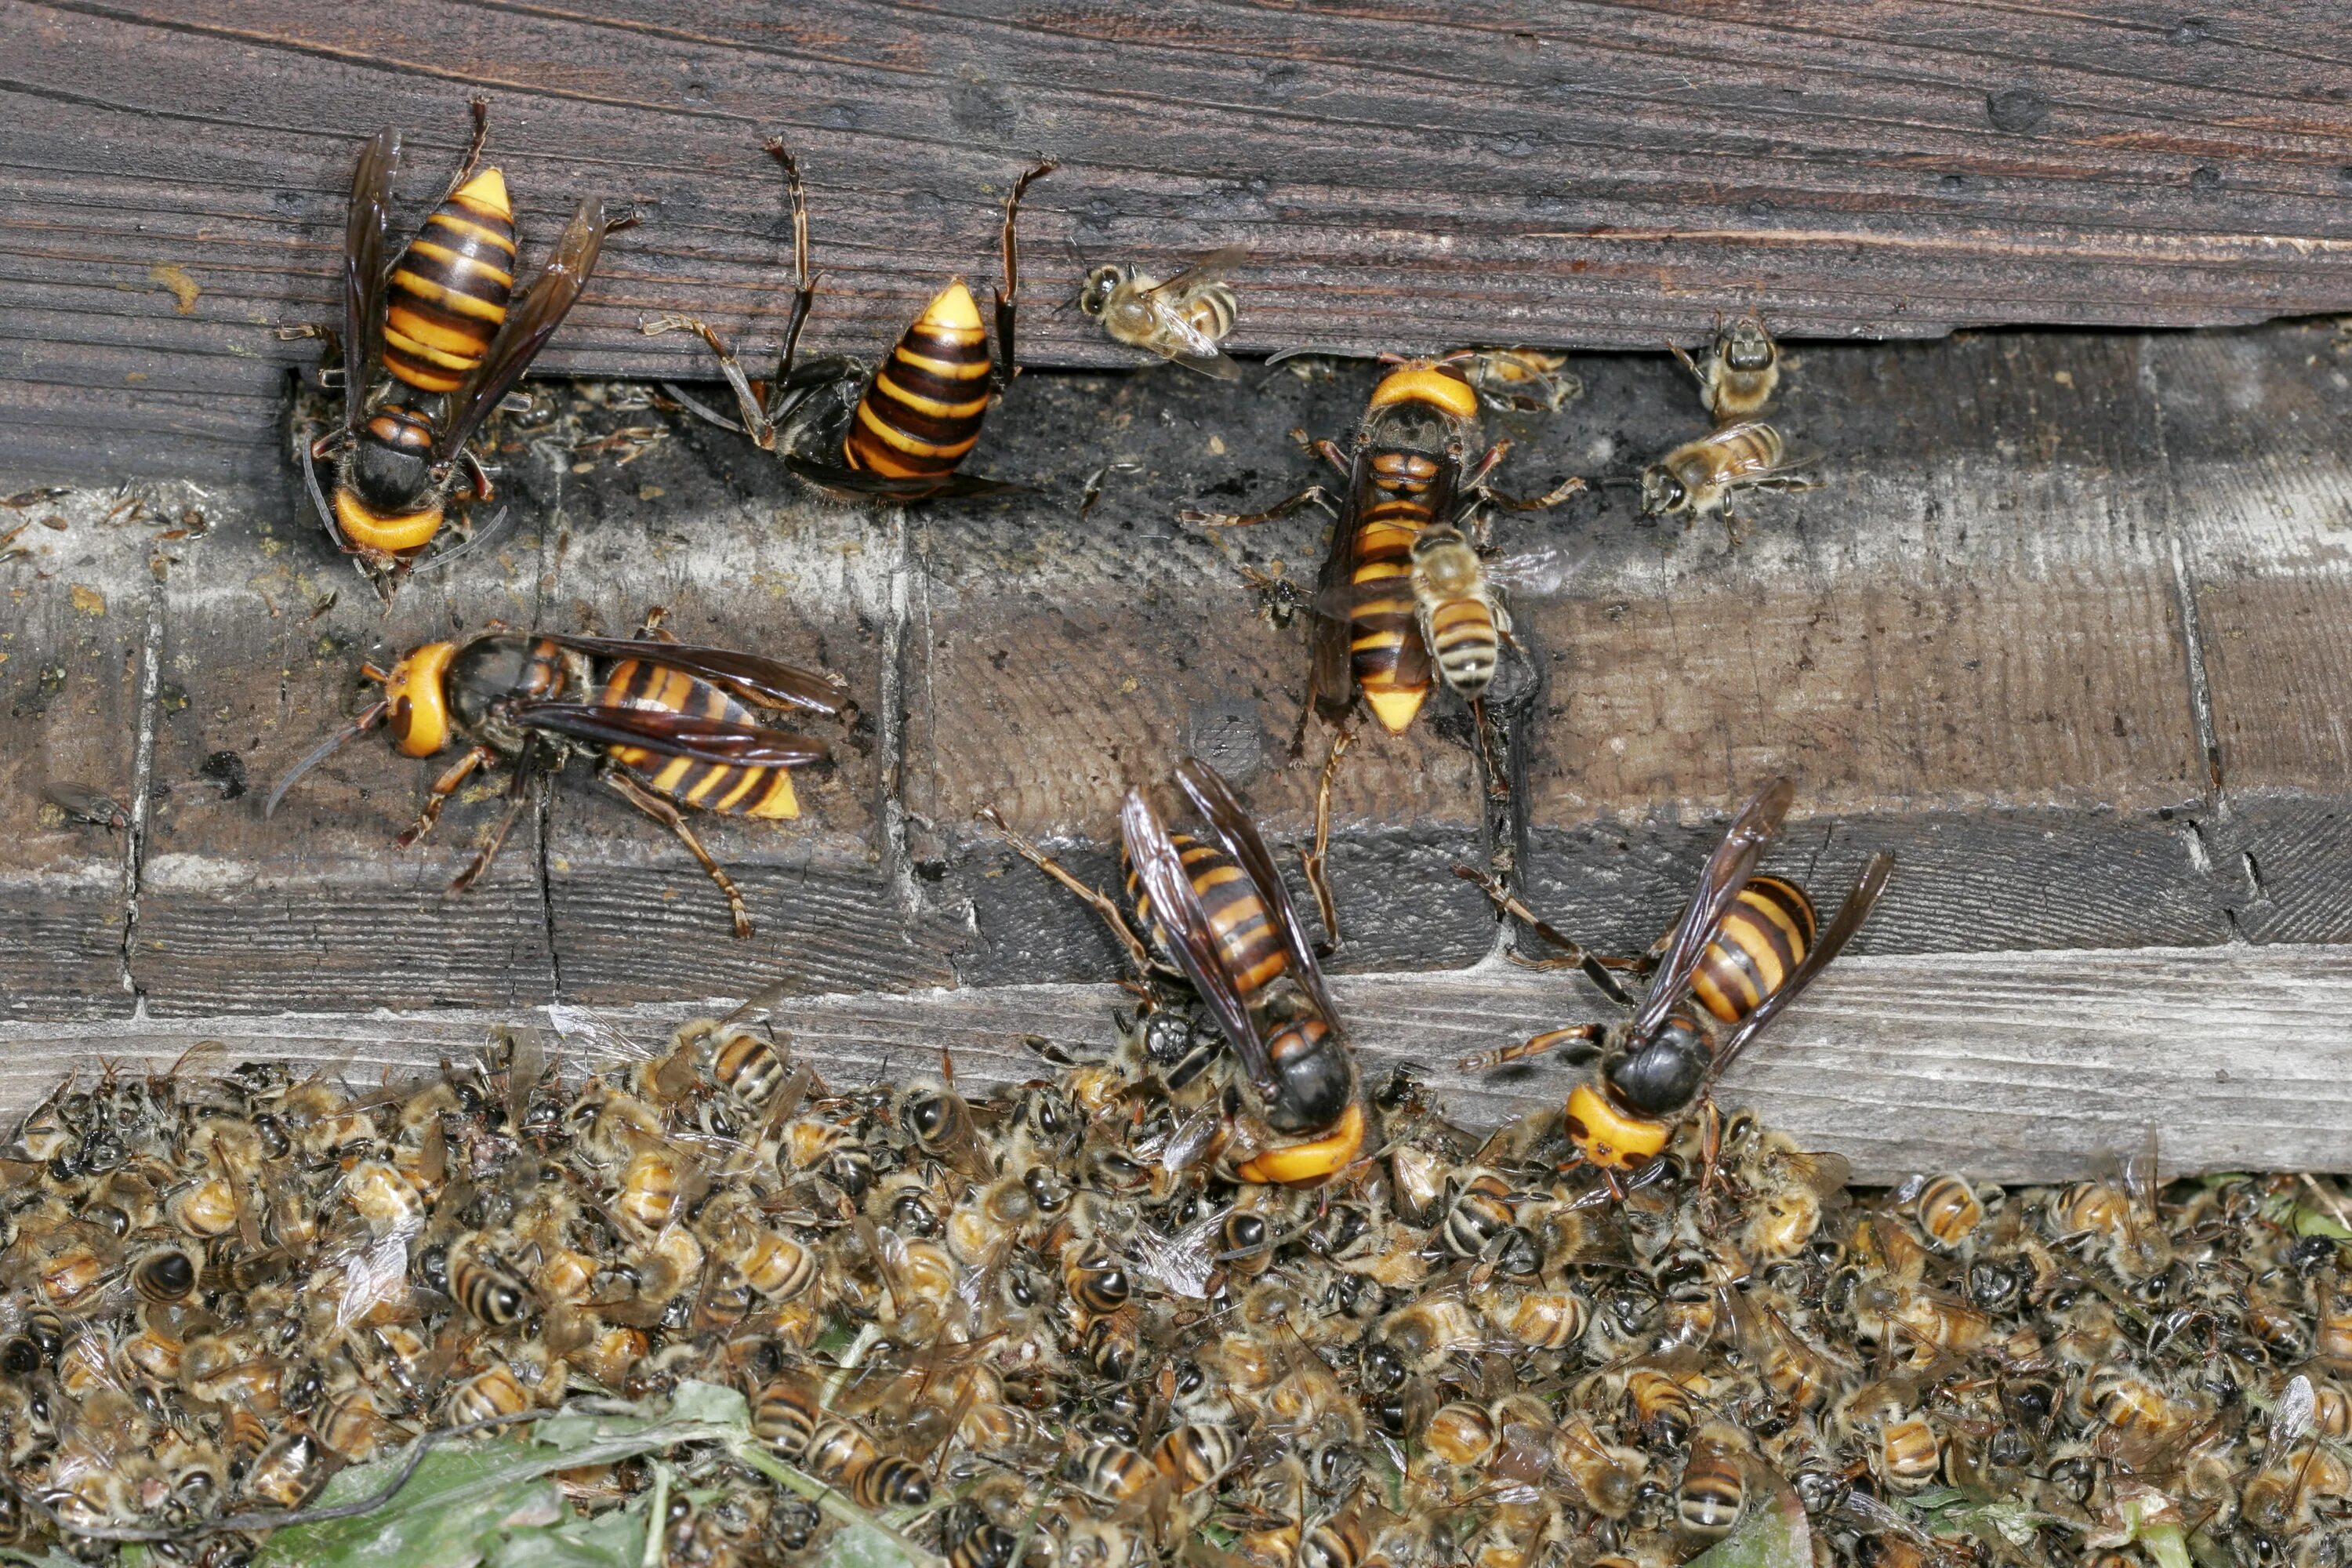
668 724
432 340
917 416
1744 949
1411 476
1219 915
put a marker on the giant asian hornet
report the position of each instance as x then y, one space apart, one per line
1746 947
668 724
918 416
433 339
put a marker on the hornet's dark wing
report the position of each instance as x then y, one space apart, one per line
1331 681
1176 909
672 734
1727 870
363 270
1850 914
528 325
762 679
1214 798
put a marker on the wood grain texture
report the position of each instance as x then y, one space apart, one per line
1992 547
1406 176
73 638
2006 1067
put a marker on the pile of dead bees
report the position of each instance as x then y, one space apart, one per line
1046 1328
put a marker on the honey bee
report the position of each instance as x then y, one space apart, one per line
1459 605
1703 476
666 722
917 418
1745 948
288 1472
1739 376
1949 1211
1185 318
166 1274
440 319
1423 1336
1713 1490
486 1289
1521 380
1608 1477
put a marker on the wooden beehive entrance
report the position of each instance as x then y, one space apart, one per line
2059 627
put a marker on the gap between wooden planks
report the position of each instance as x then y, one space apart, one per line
2004 1066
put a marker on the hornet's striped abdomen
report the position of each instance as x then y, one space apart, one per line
761 792
1759 944
1247 943
448 296
1381 615
922 413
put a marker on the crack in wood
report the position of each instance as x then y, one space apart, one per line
149 714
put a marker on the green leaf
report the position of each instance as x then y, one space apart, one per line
615 1539
463 1497
1773 1534
449 1512
862 1546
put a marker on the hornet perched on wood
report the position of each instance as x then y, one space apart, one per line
432 337
918 416
667 724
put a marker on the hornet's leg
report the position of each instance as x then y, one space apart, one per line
669 815
1573 956
442 788
1313 495
526 778
1138 954
1008 298
1584 1035
481 107
1311 862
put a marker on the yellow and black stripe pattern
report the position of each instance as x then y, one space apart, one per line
1465 643
448 294
923 410
1248 946
1382 613
1759 944
723 788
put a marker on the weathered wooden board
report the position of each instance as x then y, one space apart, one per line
2007 1067
1406 175
1969 644
76 635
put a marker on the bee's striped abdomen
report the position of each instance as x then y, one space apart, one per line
923 410
1210 309
448 296
1465 643
1249 946
714 786
1759 945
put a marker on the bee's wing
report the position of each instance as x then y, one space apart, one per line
363 270
1537 574
1201 353
1850 914
1727 870
1210 268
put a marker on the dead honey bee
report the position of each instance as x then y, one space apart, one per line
1183 320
